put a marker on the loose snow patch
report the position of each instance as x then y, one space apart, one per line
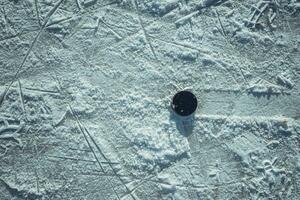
158 148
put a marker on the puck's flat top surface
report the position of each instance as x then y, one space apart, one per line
184 103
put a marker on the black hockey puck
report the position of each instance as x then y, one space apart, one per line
184 103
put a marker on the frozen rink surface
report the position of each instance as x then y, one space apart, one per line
85 91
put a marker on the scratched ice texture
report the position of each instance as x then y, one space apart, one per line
85 91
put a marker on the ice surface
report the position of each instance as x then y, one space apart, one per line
85 91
